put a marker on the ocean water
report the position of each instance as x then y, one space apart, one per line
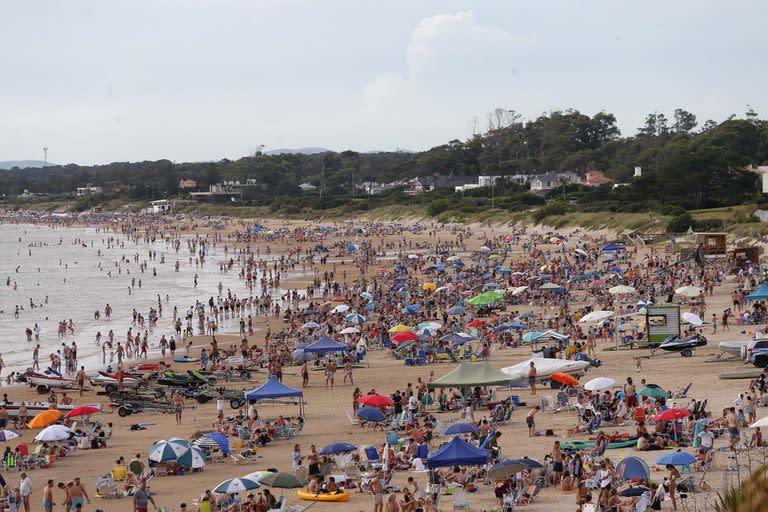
39 262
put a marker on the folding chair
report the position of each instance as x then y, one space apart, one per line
460 499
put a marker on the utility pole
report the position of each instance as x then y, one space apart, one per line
45 157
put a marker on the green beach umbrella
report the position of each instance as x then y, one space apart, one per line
485 298
532 336
654 392
530 314
282 480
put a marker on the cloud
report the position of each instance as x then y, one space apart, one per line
448 49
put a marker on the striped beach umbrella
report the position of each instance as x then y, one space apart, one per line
167 450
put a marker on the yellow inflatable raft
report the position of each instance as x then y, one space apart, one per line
310 496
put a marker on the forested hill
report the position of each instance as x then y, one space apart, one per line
684 163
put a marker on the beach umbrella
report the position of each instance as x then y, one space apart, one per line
564 378
458 337
206 442
350 330
693 319
426 333
310 312
596 283
460 428
376 401
355 318
633 468
7 435
45 418
399 328
236 485
596 316
519 290
655 392
193 458
451 259
429 287
550 286
281 480
689 291
455 310
676 459
311 325
475 323
83 410
671 415
402 337
599 384
532 336
430 325
501 328
410 310
341 308
338 448
53 433
485 248
506 469
352 247
167 450
370 414
529 314
533 464
621 290
366 296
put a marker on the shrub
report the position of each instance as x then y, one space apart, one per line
552 209
438 206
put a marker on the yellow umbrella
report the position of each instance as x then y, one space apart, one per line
399 328
494 256
429 287
45 418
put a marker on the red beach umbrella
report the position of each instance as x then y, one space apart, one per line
83 410
671 414
402 337
376 401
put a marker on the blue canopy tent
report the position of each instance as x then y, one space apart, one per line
760 294
457 453
275 389
325 344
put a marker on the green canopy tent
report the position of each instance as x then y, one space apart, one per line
485 299
471 374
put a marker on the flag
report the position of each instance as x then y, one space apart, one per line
699 256
690 231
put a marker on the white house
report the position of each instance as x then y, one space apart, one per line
544 182
84 191
162 206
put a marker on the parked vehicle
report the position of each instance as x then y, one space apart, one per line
44 381
191 379
109 382
685 345
758 357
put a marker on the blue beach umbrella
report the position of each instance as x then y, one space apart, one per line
355 318
455 310
370 414
338 448
676 459
460 428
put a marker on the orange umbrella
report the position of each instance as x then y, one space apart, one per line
564 378
45 418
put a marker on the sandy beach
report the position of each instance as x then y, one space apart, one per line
325 418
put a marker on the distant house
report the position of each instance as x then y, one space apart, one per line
187 184
544 182
307 187
371 188
87 190
162 206
595 178
429 183
227 191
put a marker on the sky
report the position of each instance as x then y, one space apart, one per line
194 80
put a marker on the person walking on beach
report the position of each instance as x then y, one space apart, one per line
142 498
532 378
732 423
330 372
304 375
36 358
376 489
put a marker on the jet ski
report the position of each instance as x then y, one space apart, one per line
685 345
545 367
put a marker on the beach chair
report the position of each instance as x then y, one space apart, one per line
643 503
460 499
136 467
105 488
373 460
683 391
353 421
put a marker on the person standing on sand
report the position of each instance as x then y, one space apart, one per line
25 487
376 490
48 497
330 372
532 373
178 406
80 377
75 495
36 358
142 498
531 421
732 423
304 375
348 372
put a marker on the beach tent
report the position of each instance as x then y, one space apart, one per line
457 453
471 374
633 468
613 247
325 344
760 294
275 389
